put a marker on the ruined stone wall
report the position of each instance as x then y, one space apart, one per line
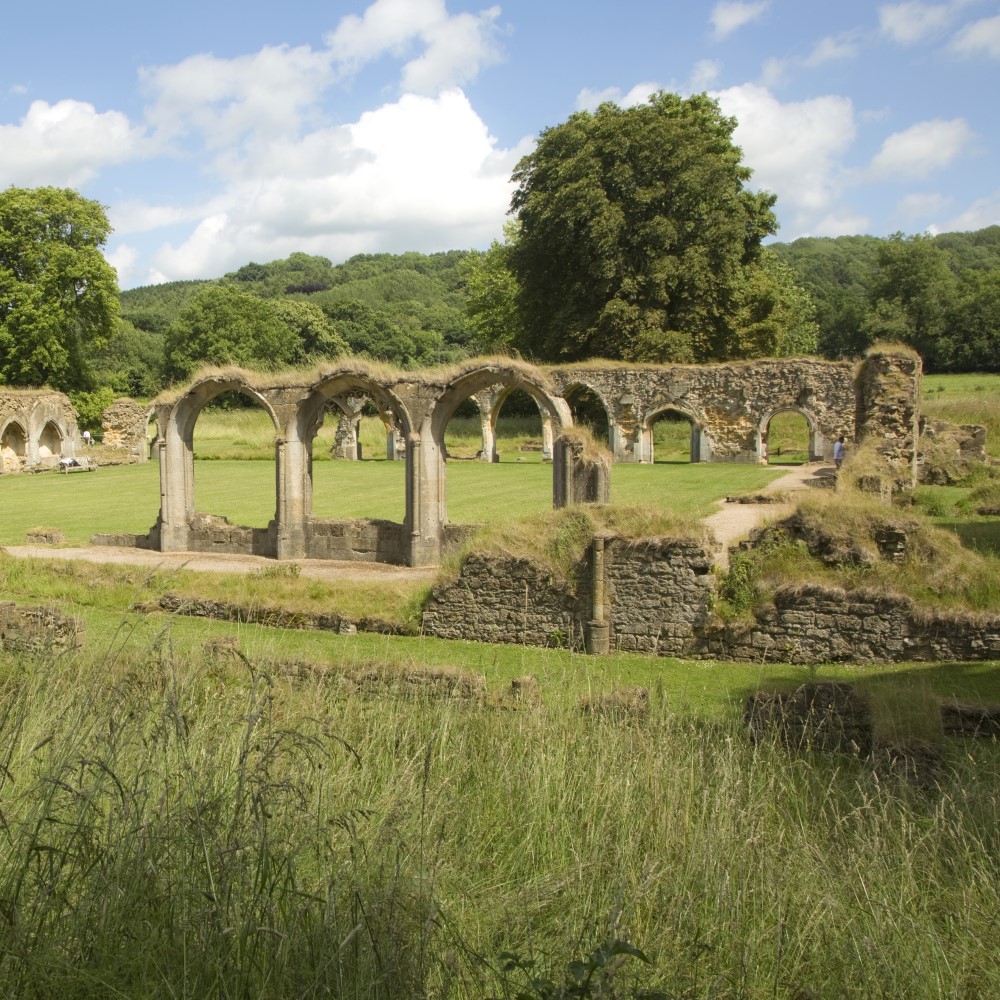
656 596
36 629
356 541
659 597
26 419
505 600
124 426
730 401
888 410
827 625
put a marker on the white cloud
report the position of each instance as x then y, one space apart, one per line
123 259
922 148
266 93
730 15
704 74
65 144
912 22
833 48
981 213
914 207
421 172
18 89
979 37
843 222
794 148
590 100
456 47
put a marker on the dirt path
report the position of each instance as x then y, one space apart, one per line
220 562
732 522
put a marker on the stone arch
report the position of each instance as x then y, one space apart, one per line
13 446
701 442
335 388
430 501
582 386
176 449
14 438
498 377
817 442
50 440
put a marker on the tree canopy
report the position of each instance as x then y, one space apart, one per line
223 325
58 295
637 236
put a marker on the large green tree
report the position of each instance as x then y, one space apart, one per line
223 325
58 295
636 233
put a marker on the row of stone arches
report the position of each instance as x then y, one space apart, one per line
730 412
37 430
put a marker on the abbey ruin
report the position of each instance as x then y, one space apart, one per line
729 407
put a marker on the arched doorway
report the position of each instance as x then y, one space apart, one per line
787 436
674 436
13 447
219 483
344 425
50 441
589 410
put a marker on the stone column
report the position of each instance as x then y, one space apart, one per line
579 476
426 504
597 632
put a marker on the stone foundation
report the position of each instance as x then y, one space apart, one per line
658 600
37 629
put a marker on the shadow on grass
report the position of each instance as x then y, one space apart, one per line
983 536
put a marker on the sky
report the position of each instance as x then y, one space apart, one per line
219 134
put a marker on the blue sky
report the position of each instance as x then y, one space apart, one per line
220 134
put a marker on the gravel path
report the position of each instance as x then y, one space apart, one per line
732 522
220 562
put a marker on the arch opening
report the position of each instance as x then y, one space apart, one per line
787 438
520 430
675 437
590 411
231 438
13 447
354 433
50 441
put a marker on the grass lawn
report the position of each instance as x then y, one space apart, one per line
966 399
126 498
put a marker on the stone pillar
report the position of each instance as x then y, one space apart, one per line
176 491
580 472
626 445
888 410
426 504
345 442
489 402
546 437
597 632
291 470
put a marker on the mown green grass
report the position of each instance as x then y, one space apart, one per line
126 498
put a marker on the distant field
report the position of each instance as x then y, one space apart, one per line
966 399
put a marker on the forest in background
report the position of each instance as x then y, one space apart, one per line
940 294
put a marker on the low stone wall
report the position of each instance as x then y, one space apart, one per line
37 629
827 625
658 600
361 541
657 594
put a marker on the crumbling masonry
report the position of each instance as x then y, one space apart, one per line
729 406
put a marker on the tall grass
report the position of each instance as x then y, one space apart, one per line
206 828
